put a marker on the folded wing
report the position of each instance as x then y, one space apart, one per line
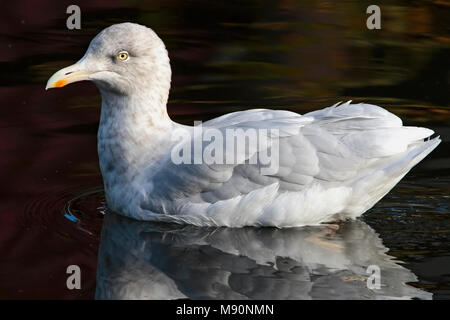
332 147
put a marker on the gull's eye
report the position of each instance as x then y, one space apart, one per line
122 55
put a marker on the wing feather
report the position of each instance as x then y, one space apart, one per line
331 146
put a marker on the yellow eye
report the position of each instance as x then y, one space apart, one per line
122 55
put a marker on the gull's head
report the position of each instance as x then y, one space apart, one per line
122 58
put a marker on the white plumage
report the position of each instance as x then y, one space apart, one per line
337 164
334 163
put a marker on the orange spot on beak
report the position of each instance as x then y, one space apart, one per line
60 83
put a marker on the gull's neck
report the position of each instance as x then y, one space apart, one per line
134 133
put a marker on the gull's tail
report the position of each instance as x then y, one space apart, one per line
370 188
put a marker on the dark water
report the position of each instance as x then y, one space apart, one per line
226 56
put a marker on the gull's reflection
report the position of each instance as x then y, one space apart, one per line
142 260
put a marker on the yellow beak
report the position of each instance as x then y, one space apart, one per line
67 75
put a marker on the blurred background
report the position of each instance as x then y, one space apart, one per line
226 56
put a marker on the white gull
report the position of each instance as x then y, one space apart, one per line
333 164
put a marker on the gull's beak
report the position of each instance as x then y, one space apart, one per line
67 75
